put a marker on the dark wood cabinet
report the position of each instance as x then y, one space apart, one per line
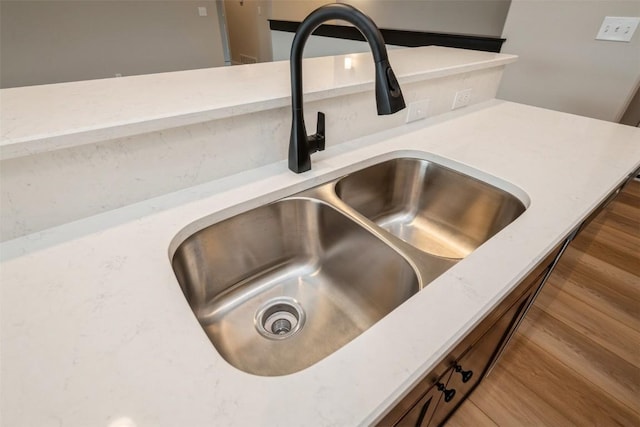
467 372
437 396
423 411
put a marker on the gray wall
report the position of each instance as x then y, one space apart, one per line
631 117
480 17
62 40
562 66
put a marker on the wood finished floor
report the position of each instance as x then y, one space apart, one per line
576 359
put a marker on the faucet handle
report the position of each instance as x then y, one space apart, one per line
316 141
320 128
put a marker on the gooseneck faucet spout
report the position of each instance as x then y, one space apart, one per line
388 94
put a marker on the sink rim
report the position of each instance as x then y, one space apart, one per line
201 222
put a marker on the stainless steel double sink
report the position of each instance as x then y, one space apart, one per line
282 286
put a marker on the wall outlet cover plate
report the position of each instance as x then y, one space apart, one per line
461 99
618 28
418 110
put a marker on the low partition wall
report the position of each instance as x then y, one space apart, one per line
51 188
331 39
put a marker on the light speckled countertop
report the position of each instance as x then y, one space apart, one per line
95 326
42 118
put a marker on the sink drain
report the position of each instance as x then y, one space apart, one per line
279 318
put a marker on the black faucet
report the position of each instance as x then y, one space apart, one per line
388 95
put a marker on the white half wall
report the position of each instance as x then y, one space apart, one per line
561 66
48 189
316 46
60 41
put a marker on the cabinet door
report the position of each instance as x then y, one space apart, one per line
421 413
525 305
470 368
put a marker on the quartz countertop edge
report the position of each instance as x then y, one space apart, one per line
43 118
95 327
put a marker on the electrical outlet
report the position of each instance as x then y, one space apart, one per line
202 11
417 110
617 28
462 98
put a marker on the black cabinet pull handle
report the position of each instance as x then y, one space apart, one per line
466 375
423 412
448 394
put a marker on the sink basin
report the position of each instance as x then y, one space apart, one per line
434 209
280 287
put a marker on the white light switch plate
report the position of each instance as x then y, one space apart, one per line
617 28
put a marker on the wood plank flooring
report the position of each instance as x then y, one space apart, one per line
576 358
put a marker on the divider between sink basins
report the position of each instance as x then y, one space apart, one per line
427 266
